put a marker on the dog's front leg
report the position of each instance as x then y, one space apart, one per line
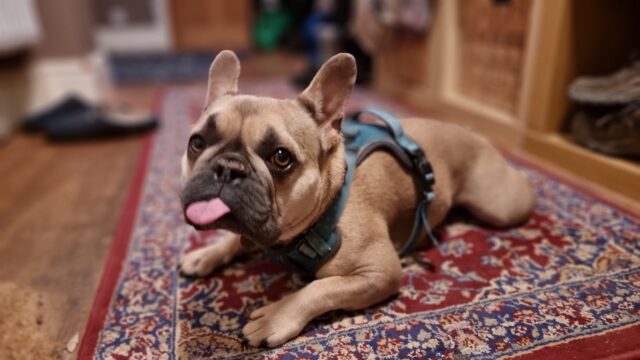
278 322
203 261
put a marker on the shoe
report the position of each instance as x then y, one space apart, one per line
68 107
621 87
613 131
96 124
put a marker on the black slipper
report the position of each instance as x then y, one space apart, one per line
95 124
68 107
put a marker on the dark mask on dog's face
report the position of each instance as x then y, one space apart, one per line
259 166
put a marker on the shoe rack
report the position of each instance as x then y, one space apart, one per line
502 68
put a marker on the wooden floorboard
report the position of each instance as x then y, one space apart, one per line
59 207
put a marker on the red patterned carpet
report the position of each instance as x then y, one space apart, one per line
565 285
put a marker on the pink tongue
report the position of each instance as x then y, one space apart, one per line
206 212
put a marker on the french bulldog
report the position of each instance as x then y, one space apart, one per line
266 169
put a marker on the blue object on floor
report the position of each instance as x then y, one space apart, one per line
160 67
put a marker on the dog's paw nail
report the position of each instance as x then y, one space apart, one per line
244 341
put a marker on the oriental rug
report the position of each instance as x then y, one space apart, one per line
564 285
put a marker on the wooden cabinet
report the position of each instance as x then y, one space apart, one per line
503 70
491 46
211 24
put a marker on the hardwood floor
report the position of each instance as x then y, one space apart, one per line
59 206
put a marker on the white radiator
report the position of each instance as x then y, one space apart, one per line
18 24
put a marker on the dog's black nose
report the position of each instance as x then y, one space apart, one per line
229 167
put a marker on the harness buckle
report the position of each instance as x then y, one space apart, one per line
423 167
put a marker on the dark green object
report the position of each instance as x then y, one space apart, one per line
269 28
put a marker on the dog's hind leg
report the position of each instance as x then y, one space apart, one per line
494 192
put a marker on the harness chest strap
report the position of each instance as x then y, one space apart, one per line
310 250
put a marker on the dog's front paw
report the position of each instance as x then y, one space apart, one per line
273 325
201 262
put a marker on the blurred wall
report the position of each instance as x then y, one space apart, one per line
67 28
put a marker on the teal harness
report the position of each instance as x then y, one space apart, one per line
310 250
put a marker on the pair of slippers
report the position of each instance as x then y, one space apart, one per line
75 119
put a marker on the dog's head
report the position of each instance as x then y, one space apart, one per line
263 167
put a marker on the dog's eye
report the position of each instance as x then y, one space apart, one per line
281 158
197 144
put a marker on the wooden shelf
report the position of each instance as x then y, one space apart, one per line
619 175
550 43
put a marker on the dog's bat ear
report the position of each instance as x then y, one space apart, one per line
328 92
223 76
